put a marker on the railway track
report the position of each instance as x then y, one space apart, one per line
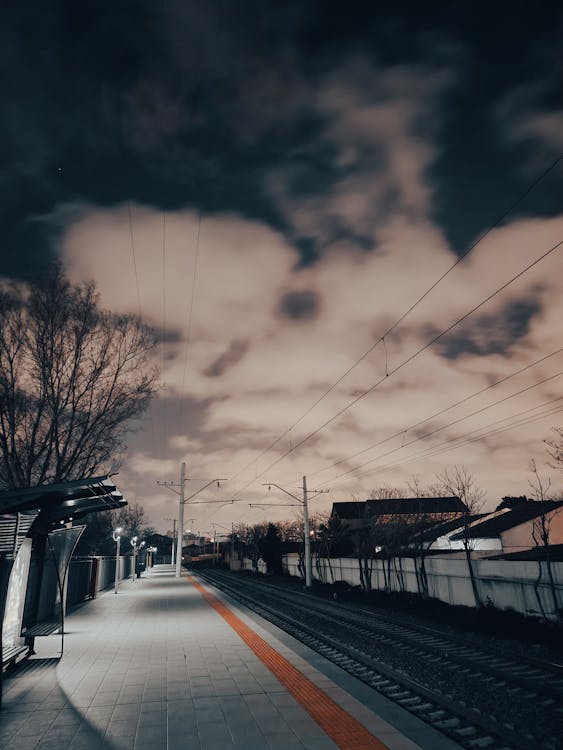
464 686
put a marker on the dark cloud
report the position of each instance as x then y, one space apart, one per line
492 334
171 415
228 359
303 305
168 336
188 103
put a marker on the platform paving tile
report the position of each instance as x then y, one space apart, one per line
156 667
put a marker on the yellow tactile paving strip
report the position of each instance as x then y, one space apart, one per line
339 725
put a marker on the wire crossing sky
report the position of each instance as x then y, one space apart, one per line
340 226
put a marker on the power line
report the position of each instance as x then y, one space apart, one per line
460 442
189 317
440 412
415 304
411 357
134 258
164 425
136 275
450 424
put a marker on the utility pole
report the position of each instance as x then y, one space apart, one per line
303 502
231 566
182 501
180 545
172 557
307 535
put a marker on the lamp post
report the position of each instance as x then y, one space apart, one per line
141 545
150 556
134 545
116 535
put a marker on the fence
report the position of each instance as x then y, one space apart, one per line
522 586
88 575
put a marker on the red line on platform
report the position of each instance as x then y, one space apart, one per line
341 727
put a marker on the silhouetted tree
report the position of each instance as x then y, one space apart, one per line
270 549
72 376
541 531
97 537
555 447
459 482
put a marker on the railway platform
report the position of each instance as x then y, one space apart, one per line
172 663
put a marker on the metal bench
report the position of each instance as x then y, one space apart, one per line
13 654
48 627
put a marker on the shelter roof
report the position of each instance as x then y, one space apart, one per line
64 500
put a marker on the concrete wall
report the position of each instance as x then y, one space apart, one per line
247 565
505 584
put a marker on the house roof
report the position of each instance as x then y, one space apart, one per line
493 524
415 506
436 530
349 510
555 552
404 506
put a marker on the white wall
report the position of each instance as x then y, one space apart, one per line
506 584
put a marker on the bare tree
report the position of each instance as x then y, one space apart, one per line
253 536
132 520
459 482
541 531
97 537
555 447
419 522
331 538
386 492
72 376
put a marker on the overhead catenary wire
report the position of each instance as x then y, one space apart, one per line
466 440
417 439
138 288
460 442
133 255
410 358
407 312
439 413
164 352
189 320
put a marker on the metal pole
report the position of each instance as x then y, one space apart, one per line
180 543
308 565
232 545
118 540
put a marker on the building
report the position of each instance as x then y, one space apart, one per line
518 524
393 522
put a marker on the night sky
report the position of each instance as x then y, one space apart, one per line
272 186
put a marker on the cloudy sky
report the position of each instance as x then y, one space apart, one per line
281 190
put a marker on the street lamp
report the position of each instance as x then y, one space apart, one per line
141 545
116 535
150 556
134 545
